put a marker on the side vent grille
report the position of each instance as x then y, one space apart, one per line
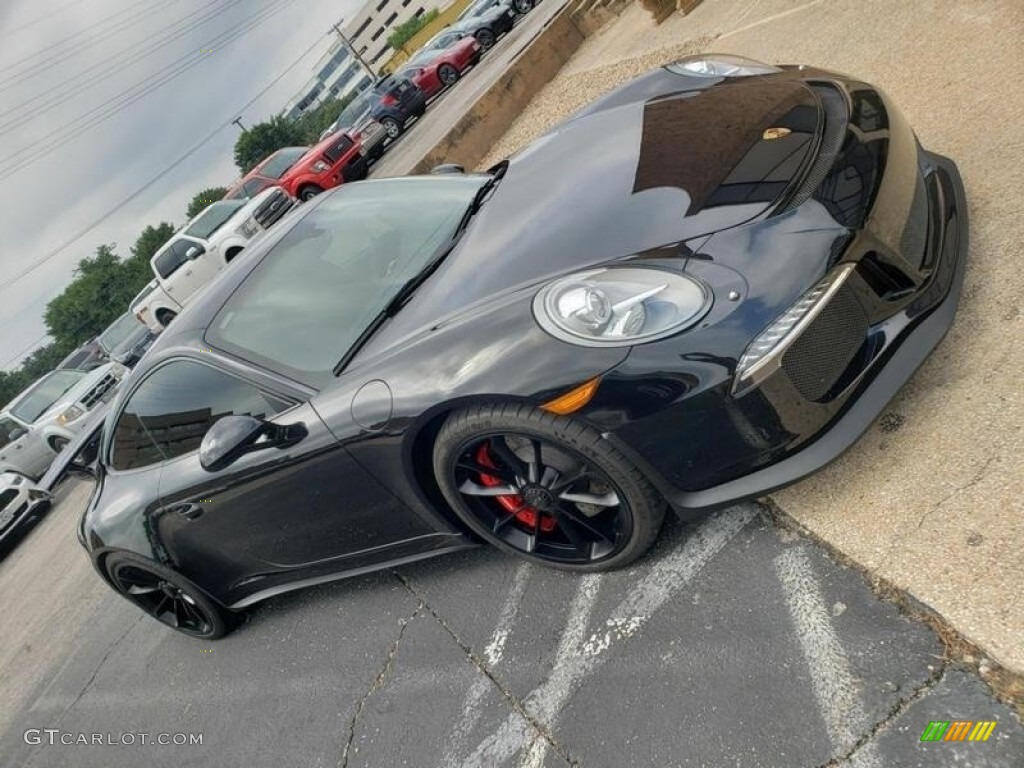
834 133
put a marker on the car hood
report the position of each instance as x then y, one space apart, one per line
625 182
77 392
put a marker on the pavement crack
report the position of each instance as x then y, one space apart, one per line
513 701
376 685
978 477
897 709
103 661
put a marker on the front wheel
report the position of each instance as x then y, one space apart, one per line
448 74
307 193
523 6
545 487
58 443
168 596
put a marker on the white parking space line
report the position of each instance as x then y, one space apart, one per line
495 650
834 685
664 580
769 19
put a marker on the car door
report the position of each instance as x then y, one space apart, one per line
27 454
275 510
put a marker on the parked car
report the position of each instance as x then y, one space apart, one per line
126 340
202 248
486 20
86 357
543 357
40 421
370 134
305 172
441 62
394 101
20 500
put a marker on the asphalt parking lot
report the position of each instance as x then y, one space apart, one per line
736 642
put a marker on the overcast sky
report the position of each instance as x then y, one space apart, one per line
64 65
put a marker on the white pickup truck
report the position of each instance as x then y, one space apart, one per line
201 249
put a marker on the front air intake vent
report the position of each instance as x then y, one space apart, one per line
836 117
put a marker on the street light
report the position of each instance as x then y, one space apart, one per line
352 50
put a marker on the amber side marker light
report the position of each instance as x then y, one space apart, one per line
574 399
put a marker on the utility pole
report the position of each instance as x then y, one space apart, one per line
353 51
238 121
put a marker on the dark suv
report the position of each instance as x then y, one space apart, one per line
392 101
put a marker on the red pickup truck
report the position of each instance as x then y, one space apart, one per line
305 172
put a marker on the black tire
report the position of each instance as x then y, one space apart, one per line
522 7
448 75
197 615
308 192
165 316
231 254
486 38
392 127
601 537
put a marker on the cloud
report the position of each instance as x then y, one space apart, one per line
68 187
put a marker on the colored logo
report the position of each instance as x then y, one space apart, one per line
958 730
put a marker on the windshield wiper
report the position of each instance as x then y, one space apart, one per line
410 286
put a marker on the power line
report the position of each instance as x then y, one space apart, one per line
195 148
27 155
40 19
111 30
109 66
30 348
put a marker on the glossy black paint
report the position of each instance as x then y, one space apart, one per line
669 169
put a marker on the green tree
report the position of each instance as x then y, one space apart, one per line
401 34
264 139
318 120
203 199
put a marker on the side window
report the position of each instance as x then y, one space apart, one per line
168 262
6 427
173 408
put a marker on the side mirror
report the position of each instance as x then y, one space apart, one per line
194 252
234 436
17 433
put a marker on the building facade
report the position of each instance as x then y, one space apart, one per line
337 74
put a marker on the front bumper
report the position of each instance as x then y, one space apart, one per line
20 509
904 341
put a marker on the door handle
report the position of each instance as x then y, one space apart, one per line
186 509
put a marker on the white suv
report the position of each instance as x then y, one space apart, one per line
202 248
39 422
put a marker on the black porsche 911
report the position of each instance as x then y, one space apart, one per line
700 288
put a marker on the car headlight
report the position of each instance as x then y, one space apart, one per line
320 166
764 353
249 228
70 415
721 65
620 306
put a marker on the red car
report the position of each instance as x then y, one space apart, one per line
441 62
305 172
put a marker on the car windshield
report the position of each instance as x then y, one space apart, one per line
282 161
326 280
353 113
213 218
119 330
44 393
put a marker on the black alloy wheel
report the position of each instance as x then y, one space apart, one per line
167 596
485 37
448 74
545 487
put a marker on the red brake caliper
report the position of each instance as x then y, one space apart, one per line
527 515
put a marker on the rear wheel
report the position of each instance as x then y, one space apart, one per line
523 6
448 74
545 487
485 37
168 597
309 192
391 127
